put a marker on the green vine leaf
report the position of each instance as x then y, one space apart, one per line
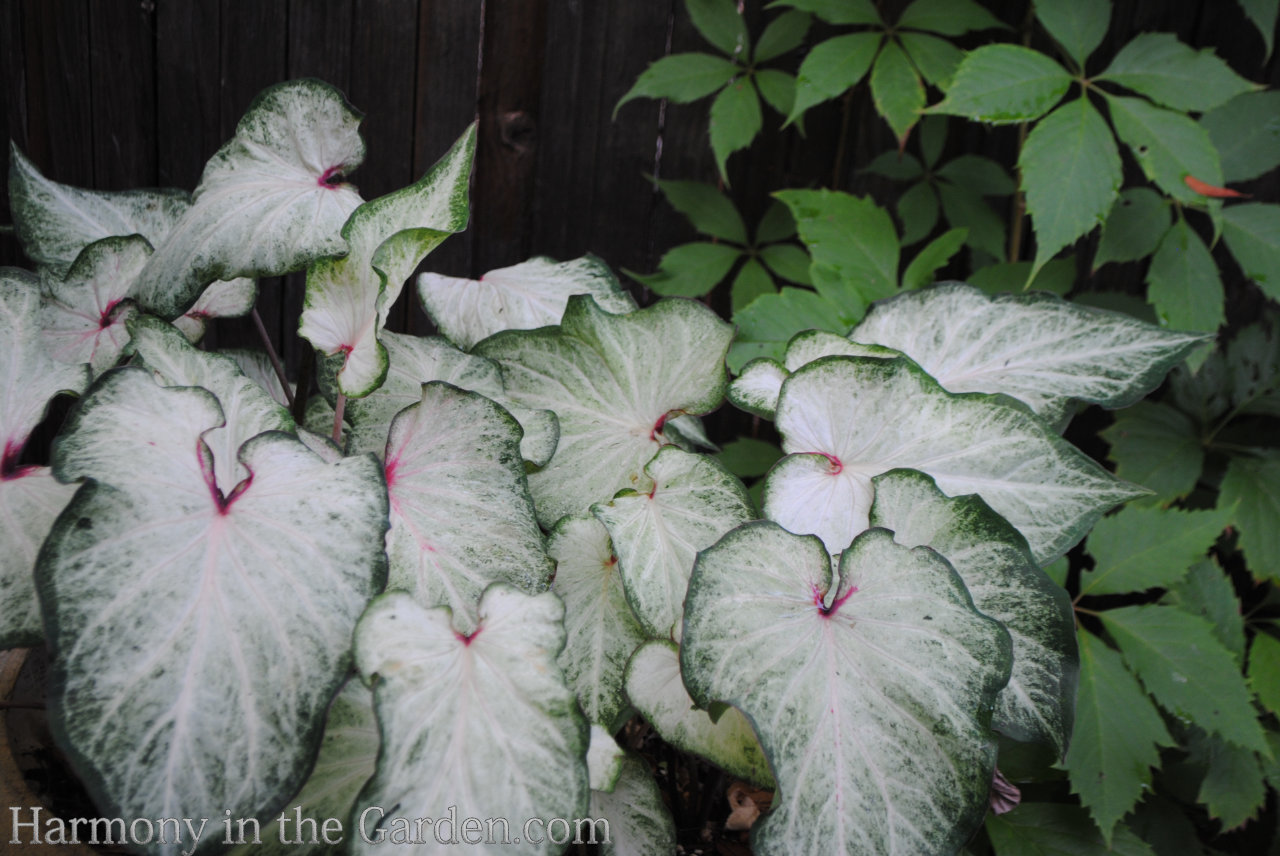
935 254
1251 486
949 17
735 120
831 67
783 34
683 78
1171 73
1168 146
1183 282
1133 229
1004 83
1264 670
897 90
720 24
1262 13
1158 447
852 242
1032 829
1246 135
837 11
691 270
707 209
1137 549
1208 592
1252 233
936 59
1078 27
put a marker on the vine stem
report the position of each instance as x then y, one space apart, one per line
271 355
1020 198
338 409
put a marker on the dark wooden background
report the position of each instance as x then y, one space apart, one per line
112 94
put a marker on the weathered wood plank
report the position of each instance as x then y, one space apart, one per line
56 47
187 90
13 105
320 40
122 65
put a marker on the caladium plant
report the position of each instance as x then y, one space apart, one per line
503 542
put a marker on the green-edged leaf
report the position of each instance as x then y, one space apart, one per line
348 296
735 120
753 280
748 457
756 387
612 380
918 210
682 78
838 11
1071 176
656 690
526 296
348 757
256 366
831 67
1207 591
1168 146
1183 282
948 17
30 500
482 722
1264 670
851 239
784 33
876 749
601 630
221 299
1246 133
844 420
1171 73
1252 485
1004 83
815 344
684 504
1038 348
83 320
1158 447
638 821
708 210
936 59
1187 669
1005 583
1252 233
55 222
604 760
1058 829
1078 27
690 270
720 24
935 255
198 627
979 175
897 90
461 517
1117 736
964 207
1133 229
267 203
1137 549
1232 788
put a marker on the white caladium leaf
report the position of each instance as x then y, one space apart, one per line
757 389
684 504
526 296
601 629
461 517
348 757
637 819
30 500
416 360
870 690
1006 584
687 431
604 760
656 689
55 222
85 316
810 345
845 420
1038 348
247 408
256 366
613 381
348 296
270 199
222 299
196 627
482 722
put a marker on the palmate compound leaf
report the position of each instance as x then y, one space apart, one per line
870 690
656 689
526 296
483 722
612 381
1006 583
348 296
845 420
461 517
198 632
601 630
268 201
685 502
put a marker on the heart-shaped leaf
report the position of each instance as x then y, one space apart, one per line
757 388
526 296
268 202
30 500
195 627
220 300
84 318
348 296
612 380
868 690
482 722
461 517
639 823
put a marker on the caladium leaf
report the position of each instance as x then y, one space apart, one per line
639 823
844 420
867 688
196 627
256 366
30 500
756 387
656 690
461 517
84 318
684 503
222 299
604 760
756 390
601 630
1006 584
269 200
526 296
484 722
612 381
1038 348
348 296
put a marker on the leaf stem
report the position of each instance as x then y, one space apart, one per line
338 409
271 355
306 370
846 114
1019 198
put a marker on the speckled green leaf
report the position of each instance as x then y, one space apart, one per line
30 500
221 299
639 823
